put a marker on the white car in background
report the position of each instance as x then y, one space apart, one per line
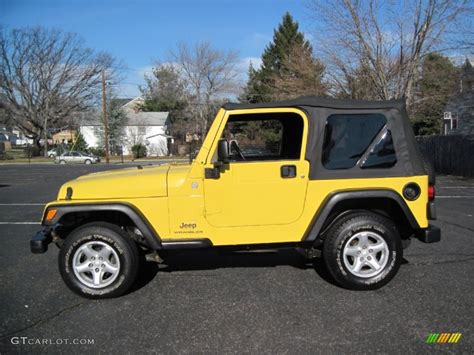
52 153
76 157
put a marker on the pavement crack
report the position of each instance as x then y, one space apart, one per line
43 320
440 262
455 224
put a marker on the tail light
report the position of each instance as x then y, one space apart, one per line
431 192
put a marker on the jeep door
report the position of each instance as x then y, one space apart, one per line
265 181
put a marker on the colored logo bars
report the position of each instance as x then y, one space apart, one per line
442 338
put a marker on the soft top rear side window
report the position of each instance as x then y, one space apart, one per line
382 155
347 137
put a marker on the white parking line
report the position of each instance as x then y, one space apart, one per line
456 187
22 204
5 223
454 196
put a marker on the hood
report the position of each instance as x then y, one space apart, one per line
149 181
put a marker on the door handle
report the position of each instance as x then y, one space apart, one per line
288 171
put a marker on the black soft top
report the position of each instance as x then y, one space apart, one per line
314 101
318 109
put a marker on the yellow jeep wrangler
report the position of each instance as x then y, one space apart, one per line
339 178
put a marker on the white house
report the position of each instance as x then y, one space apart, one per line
14 136
148 128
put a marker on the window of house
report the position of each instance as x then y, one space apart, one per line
266 136
347 137
454 123
382 155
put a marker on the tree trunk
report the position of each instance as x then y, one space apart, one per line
45 135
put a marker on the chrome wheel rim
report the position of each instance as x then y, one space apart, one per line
365 254
96 264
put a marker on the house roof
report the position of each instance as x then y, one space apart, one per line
122 102
133 119
147 118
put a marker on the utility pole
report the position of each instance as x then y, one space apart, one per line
106 122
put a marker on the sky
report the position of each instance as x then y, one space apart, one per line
138 32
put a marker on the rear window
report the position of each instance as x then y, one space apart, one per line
347 137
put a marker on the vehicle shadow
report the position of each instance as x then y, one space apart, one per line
218 259
193 260
147 272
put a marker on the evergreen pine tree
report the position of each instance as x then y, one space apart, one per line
79 143
286 39
250 87
437 83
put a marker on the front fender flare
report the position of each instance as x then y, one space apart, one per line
151 237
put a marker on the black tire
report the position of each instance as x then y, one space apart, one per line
352 228
123 256
87 161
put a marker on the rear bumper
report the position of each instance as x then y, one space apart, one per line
432 234
39 243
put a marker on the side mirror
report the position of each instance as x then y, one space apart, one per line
223 151
222 158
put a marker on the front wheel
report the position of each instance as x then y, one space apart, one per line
98 260
363 251
88 161
62 162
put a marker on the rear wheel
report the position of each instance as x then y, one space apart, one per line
62 162
98 260
363 251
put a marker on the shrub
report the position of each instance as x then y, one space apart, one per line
6 156
99 152
33 151
139 151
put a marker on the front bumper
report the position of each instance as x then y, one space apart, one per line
432 234
39 243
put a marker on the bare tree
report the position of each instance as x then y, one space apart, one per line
46 76
384 40
210 75
134 135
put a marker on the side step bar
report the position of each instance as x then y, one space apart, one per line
173 244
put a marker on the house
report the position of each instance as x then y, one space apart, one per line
459 112
147 128
14 136
64 136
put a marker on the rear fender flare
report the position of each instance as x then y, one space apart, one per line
320 217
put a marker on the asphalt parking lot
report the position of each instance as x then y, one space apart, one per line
227 303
